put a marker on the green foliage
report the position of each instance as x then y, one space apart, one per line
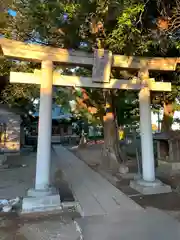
127 27
71 9
5 66
127 107
18 95
4 6
128 37
63 96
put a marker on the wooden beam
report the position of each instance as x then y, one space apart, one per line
160 86
36 52
132 62
63 80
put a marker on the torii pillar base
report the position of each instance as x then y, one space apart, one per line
41 201
150 188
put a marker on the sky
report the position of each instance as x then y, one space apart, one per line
154 119
12 12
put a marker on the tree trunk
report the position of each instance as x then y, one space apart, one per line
111 151
167 117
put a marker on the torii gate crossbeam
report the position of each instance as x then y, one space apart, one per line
34 52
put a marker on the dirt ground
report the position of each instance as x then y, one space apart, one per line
169 202
17 175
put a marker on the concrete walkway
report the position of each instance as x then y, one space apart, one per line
149 224
94 193
121 219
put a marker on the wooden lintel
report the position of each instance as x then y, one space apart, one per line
20 50
63 80
132 62
35 52
160 86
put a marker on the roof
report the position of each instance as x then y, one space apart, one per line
57 114
170 135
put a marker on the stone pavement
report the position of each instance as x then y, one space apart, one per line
94 193
123 221
149 224
127 225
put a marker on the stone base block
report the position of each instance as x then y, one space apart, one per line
41 193
149 188
41 203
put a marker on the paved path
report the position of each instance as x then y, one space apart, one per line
149 224
94 193
121 219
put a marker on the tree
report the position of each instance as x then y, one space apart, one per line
20 96
147 29
126 27
4 6
15 95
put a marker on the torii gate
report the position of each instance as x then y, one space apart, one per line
102 61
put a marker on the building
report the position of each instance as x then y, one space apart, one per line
61 124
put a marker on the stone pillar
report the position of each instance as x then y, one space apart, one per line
148 168
44 128
148 184
43 197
